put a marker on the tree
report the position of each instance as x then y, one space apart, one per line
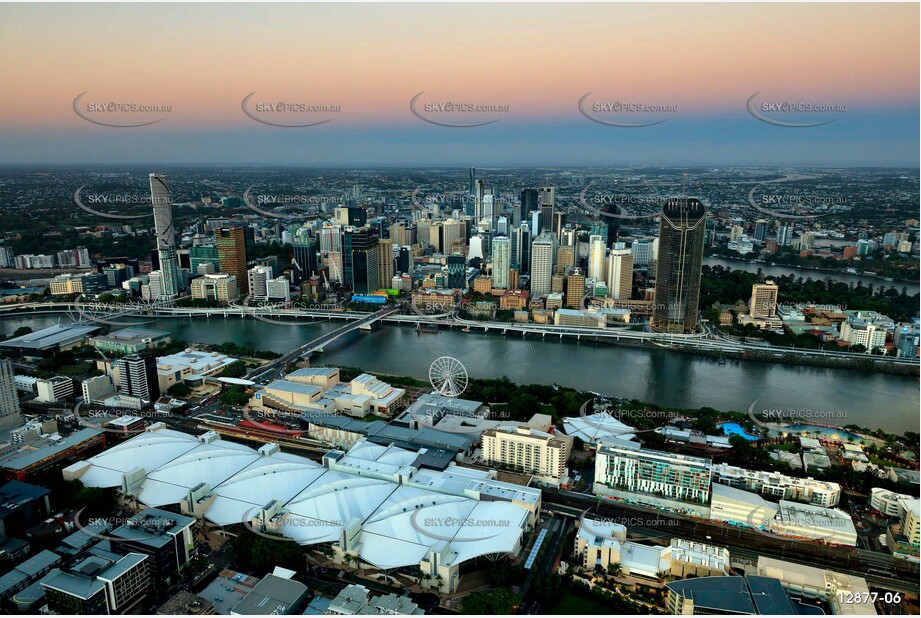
180 389
490 602
263 553
22 330
234 370
234 395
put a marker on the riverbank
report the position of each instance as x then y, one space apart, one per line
774 355
778 356
805 271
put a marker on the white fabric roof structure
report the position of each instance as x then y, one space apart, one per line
392 513
239 498
208 463
598 427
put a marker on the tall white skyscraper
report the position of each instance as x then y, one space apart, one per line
543 254
485 205
487 210
785 235
596 251
476 248
161 200
155 285
259 277
331 238
620 272
501 261
9 401
642 250
451 230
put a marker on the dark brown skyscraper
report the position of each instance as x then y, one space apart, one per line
681 250
231 255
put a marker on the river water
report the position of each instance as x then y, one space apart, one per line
666 378
911 287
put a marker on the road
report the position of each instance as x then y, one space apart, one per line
279 363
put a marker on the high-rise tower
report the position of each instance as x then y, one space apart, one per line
543 254
547 199
161 199
682 228
501 261
596 257
231 254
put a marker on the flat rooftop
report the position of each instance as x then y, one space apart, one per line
48 338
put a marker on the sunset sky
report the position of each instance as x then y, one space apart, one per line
538 59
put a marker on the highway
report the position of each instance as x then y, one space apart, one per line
707 341
317 344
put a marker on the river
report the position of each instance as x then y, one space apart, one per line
660 376
912 287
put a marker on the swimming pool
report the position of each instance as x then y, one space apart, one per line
734 429
828 433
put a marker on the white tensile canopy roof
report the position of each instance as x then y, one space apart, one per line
394 525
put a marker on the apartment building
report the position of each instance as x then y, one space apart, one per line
525 448
627 469
779 486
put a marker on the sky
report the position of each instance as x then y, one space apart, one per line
534 62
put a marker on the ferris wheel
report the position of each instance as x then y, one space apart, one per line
448 376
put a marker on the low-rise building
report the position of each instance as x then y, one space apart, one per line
97 389
815 522
434 301
184 603
324 377
384 398
26 574
98 585
848 595
164 537
740 507
601 544
190 366
54 389
355 599
292 397
778 486
276 594
219 287
731 595
130 340
580 318
886 501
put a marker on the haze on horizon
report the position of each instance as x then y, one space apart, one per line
538 59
